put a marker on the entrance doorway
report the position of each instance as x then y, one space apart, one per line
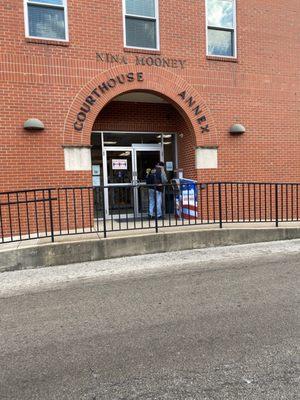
126 156
125 169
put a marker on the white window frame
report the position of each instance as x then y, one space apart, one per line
26 17
156 18
222 29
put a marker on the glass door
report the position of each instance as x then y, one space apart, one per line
118 177
145 156
124 175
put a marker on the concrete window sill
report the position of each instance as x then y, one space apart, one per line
47 42
226 59
141 51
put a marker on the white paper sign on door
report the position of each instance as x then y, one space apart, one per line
119 164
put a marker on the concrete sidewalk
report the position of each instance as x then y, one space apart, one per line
90 247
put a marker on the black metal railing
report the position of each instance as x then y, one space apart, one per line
51 212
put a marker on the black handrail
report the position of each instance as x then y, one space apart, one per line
73 210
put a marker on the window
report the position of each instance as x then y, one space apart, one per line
141 24
46 19
221 28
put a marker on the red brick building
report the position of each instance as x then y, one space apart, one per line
134 81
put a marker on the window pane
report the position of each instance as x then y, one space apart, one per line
140 33
141 7
56 2
46 22
220 43
220 13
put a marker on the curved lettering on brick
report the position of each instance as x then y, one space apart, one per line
100 91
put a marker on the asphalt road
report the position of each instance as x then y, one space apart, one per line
191 328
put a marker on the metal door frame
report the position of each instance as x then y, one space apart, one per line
133 148
105 176
143 147
134 182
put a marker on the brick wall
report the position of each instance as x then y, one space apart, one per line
261 89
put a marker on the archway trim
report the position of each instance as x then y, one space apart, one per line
93 97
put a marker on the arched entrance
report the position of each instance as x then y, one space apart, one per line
187 118
130 136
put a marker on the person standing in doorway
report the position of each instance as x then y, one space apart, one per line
157 178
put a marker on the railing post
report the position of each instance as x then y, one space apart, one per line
220 204
276 205
155 208
104 210
51 215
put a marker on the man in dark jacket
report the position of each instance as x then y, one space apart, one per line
157 178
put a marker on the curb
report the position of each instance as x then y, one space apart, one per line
53 254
